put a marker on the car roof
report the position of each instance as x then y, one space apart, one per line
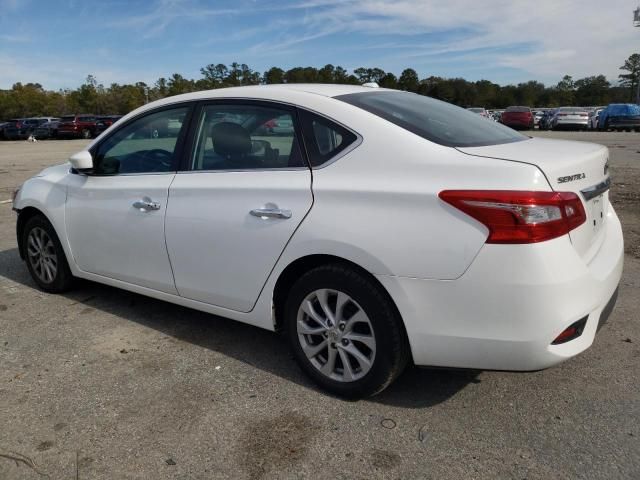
303 94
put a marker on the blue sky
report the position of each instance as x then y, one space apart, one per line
58 43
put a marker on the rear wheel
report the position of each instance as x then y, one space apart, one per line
86 134
345 332
45 257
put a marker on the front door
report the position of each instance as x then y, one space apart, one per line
230 215
115 216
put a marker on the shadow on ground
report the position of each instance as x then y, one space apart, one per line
268 351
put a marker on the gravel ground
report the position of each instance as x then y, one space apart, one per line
105 384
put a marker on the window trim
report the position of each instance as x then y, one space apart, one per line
180 141
190 142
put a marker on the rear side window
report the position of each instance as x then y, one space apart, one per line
434 120
246 137
324 138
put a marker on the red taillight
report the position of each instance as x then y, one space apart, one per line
514 216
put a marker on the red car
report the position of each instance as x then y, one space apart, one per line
518 118
78 126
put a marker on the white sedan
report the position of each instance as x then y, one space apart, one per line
384 228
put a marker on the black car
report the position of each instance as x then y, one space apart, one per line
47 129
23 128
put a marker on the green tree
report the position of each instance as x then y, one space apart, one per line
565 90
592 90
631 79
409 80
273 75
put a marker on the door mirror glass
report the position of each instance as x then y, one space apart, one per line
81 161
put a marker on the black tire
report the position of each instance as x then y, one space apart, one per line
392 348
86 134
63 279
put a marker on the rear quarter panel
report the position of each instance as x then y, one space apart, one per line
378 206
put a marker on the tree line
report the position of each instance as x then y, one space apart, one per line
32 99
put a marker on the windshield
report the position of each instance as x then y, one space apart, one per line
432 119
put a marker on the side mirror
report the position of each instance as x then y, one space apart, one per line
81 161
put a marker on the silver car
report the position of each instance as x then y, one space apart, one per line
570 118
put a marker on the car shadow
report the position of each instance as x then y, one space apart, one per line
265 350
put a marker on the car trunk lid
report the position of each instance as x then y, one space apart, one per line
578 167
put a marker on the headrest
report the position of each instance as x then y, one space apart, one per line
230 139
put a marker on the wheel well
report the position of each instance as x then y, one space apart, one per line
301 266
24 215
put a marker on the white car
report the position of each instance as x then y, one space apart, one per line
385 227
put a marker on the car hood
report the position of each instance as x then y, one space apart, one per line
55 171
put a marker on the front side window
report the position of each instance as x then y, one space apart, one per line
146 145
432 119
240 137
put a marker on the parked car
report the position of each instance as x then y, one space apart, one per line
77 126
23 128
386 227
593 118
545 120
48 129
570 118
537 116
3 125
480 111
620 116
104 122
518 118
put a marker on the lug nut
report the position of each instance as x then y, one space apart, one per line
345 341
341 326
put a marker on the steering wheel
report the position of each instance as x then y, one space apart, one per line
156 158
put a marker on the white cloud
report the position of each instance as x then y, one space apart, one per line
561 36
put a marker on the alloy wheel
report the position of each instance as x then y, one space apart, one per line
336 335
42 255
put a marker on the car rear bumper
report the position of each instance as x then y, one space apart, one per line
517 123
631 123
505 311
571 123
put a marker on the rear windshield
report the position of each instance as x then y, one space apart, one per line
518 109
68 118
432 119
571 110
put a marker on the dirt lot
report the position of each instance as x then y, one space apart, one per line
105 384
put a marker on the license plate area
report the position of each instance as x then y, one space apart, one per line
596 208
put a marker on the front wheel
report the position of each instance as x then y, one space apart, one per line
345 332
45 257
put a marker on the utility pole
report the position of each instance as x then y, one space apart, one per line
636 23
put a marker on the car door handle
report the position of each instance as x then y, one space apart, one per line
146 204
270 213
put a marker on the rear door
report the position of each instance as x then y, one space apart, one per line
245 188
